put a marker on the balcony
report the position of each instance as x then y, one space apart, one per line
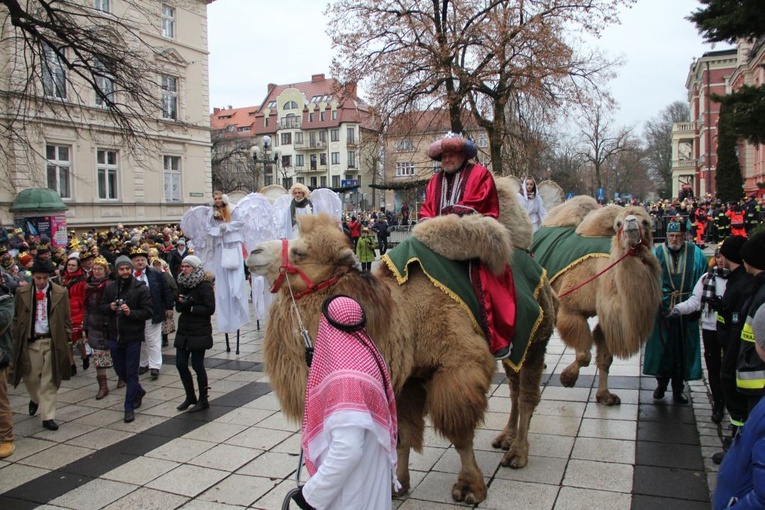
351 143
684 126
684 165
311 145
289 123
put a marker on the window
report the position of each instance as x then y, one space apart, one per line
351 159
323 137
271 104
286 138
287 182
404 169
290 122
243 129
168 21
483 140
299 138
323 159
299 160
321 116
301 180
334 135
290 105
313 161
169 97
53 74
59 169
335 181
172 171
286 162
314 182
310 117
334 114
106 167
351 135
316 99
102 5
104 85
335 158
323 181
268 180
405 145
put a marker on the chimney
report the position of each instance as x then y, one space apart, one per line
215 111
315 78
270 87
350 89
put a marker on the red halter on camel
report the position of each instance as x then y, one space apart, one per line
287 268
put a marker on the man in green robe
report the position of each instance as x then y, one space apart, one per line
673 350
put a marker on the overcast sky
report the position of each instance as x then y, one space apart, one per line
253 43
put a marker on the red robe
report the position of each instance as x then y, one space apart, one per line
476 193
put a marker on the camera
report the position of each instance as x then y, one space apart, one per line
119 303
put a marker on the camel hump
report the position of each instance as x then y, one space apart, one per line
600 222
571 212
511 214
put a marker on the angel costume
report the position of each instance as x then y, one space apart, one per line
349 425
533 204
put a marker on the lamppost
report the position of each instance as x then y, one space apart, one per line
264 155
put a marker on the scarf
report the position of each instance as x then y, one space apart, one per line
69 279
709 288
95 288
299 205
348 384
450 188
191 280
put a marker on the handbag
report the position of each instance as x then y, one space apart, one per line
230 257
168 325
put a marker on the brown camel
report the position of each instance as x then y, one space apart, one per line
440 363
625 298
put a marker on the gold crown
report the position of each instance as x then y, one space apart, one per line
100 261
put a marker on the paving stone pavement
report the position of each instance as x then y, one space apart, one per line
242 453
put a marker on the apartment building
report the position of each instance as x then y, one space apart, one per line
406 161
694 143
321 134
84 155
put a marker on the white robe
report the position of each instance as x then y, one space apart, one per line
353 474
535 208
231 294
290 231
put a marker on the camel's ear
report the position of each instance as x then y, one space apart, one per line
346 257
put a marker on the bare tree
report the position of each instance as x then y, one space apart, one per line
452 53
232 167
658 141
600 141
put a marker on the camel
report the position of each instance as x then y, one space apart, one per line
625 298
440 363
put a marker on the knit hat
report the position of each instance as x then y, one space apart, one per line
122 260
758 327
181 241
731 248
25 259
452 142
753 251
192 260
676 226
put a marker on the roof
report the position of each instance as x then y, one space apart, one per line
37 200
428 121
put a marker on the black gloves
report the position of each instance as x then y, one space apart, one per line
717 304
300 500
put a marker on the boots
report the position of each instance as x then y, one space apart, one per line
718 411
191 397
718 457
103 387
202 403
120 383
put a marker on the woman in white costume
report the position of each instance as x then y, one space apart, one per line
532 202
299 206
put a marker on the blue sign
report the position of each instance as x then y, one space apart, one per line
601 194
569 196
347 183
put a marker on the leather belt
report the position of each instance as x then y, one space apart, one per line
40 337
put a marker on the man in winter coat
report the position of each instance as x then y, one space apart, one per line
128 305
42 327
7 446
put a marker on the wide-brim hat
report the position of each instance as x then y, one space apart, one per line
452 143
42 266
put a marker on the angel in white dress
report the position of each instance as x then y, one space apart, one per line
218 234
532 202
298 202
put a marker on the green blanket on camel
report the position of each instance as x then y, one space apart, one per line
452 277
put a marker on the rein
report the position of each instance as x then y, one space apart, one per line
288 268
633 251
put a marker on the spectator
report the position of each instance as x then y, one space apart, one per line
381 228
42 328
365 249
7 444
127 303
532 202
73 279
196 304
94 323
176 256
168 325
355 228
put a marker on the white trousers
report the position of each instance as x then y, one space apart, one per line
151 348
39 379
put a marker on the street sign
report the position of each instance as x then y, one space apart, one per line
196 194
347 183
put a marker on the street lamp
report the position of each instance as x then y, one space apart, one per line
263 155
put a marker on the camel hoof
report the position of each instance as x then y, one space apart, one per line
502 442
514 460
608 399
402 491
465 493
568 377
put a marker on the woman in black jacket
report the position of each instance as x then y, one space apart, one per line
196 305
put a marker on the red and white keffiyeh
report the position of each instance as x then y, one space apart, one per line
346 387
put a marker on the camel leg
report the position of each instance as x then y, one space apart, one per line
461 383
410 405
603 360
507 436
526 400
575 333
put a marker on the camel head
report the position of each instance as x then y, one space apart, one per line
633 228
320 252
